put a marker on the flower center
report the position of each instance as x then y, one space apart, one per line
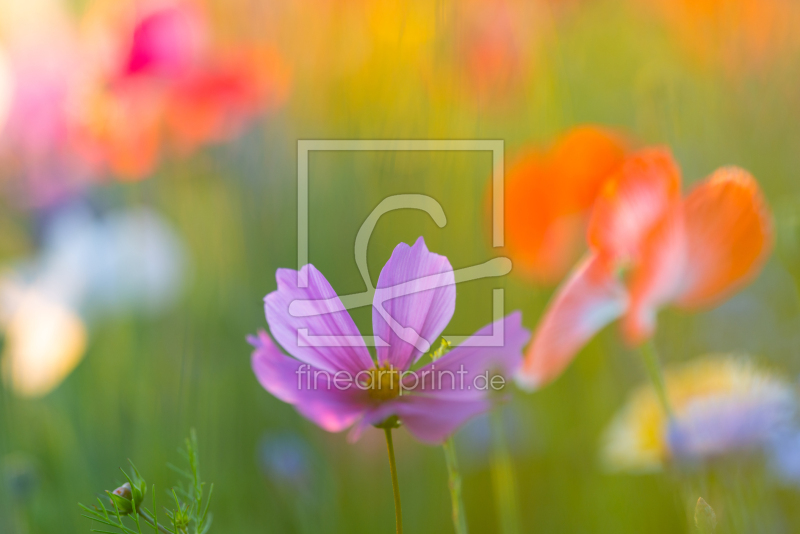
383 382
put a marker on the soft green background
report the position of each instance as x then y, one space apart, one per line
146 381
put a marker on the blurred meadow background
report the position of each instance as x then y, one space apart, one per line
148 193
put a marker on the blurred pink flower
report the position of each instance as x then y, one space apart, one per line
42 161
649 247
113 91
166 42
414 301
169 84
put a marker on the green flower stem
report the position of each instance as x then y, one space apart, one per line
651 363
505 494
395 486
152 522
454 481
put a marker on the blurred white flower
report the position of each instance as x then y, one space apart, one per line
44 340
89 267
129 260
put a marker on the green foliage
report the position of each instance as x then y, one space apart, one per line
189 516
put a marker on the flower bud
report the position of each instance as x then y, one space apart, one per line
704 517
127 498
122 499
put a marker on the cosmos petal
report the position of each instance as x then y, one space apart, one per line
432 419
454 384
414 300
305 387
374 415
312 325
454 374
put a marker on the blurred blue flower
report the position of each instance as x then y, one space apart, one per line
476 440
286 459
20 475
723 405
716 425
785 456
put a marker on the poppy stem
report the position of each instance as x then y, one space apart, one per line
505 494
395 486
454 482
653 366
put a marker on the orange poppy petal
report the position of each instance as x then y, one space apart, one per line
632 202
539 245
729 236
548 196
590 299
655 280
584 159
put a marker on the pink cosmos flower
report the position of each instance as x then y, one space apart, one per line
414 301
651 247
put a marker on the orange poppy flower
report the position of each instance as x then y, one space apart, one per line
649 247
549 196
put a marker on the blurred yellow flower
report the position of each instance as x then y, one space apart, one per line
721 403
401 25
735 34
44 340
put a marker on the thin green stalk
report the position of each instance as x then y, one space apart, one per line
153 522
651 363
505 493
395 486
454 481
